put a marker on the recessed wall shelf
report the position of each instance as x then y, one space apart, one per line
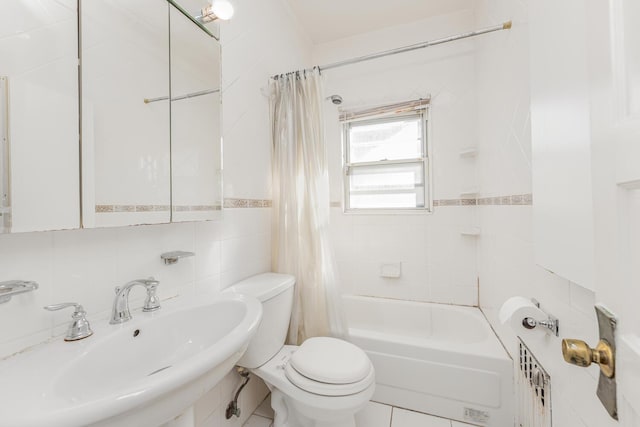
468 153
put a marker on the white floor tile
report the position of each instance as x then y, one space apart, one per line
258 421
374 415
264 410
404 418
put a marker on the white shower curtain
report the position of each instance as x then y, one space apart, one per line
301 205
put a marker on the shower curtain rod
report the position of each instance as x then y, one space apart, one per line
503 26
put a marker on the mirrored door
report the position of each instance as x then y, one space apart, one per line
150 114
125 112
39 129
195 120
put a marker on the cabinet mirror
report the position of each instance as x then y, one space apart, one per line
195 120
39 138
151 150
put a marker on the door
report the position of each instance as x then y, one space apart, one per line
613 35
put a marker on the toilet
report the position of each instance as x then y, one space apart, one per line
322 383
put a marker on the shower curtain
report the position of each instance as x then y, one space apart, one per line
301 205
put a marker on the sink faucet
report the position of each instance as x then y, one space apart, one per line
120 312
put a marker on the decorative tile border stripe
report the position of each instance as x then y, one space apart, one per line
446 202
246 203
454 202
198 208
132 208
441 202
513 200
153 208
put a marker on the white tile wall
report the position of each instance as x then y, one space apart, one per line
505 249
438 264
266 40
85 266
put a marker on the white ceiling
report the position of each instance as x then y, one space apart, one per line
327 20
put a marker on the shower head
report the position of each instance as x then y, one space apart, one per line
336 99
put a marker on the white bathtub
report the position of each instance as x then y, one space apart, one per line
439 359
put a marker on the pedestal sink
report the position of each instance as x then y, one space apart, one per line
142 373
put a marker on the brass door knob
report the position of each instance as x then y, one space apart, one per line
579 353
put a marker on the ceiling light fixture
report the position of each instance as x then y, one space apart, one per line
219 9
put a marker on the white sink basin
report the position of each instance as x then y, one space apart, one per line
142 373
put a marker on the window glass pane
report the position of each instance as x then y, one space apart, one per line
392 139
387 186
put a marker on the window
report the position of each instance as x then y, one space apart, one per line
386 163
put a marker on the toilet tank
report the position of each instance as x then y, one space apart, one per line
275 292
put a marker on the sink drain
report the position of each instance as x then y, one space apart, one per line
158 370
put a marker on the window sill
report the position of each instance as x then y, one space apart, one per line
420 211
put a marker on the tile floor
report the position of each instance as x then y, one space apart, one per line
374 415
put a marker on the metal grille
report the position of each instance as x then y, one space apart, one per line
5 174
534 391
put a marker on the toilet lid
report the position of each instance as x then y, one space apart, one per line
324 389
331 361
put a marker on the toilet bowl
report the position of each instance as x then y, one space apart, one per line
322 383
305 402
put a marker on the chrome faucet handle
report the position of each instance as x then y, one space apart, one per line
152 302
79 327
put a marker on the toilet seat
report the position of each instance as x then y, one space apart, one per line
329 367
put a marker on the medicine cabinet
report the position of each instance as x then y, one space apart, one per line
109 114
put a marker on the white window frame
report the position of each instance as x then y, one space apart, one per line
424 114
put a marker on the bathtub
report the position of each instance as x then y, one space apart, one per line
439 359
